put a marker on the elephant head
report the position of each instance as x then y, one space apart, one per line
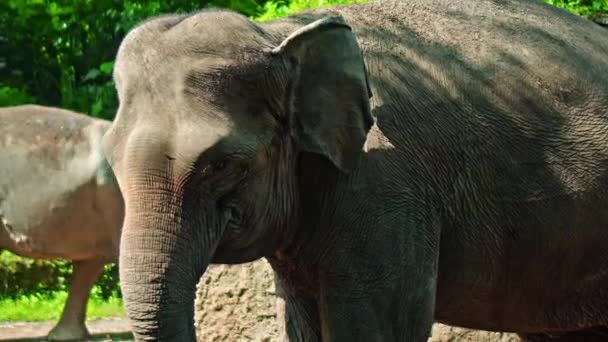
215 113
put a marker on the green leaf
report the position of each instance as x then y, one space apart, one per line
106 68
96 108
91 75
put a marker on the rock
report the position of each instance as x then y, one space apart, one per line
237 303
446 333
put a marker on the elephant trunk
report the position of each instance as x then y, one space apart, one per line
160 265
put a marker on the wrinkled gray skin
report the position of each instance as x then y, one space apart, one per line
478 197
59 199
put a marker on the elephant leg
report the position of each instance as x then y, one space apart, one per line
385 293
71 326
383 316
297 314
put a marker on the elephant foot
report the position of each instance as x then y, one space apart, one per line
63 332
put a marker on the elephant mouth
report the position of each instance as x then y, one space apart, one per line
240 244
237 249
241 255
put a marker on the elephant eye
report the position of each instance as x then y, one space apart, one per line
219 166
211 169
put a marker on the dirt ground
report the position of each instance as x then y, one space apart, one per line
234 304
107 329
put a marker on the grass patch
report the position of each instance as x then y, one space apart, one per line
45 308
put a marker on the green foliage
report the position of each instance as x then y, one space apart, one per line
582 7
45 308
10 96
36 290
107 285
62 51
24 277
21 276
280 8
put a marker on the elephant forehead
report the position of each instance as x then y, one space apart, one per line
216 33
195 55
228 136
193 137
210 32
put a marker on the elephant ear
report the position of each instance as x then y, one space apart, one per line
330 93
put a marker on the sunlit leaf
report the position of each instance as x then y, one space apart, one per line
106 68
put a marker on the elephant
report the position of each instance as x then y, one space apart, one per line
398 163
59 199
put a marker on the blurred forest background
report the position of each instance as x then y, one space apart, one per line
61 53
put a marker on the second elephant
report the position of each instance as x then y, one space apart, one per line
59 199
